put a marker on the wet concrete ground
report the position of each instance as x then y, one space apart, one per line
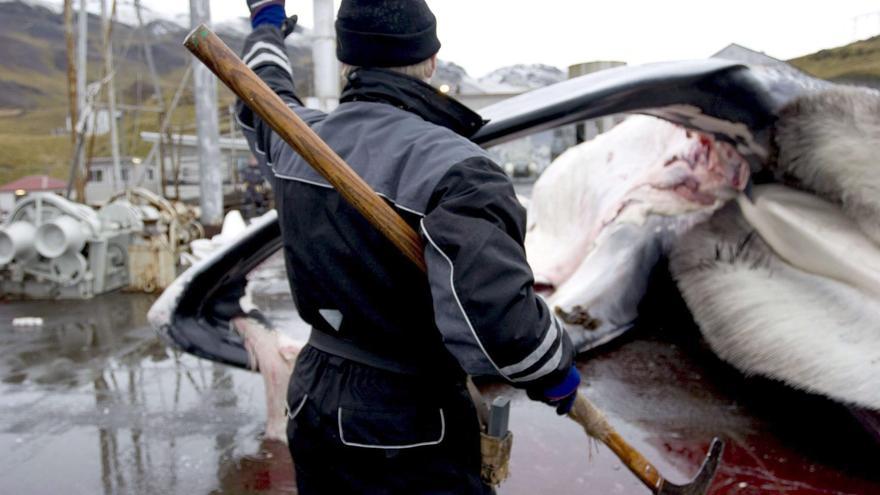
93 402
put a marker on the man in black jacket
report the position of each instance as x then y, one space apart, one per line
378 401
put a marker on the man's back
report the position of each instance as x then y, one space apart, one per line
359 287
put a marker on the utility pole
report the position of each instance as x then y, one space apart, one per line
71 67
205 93
82 44
107 20
324 55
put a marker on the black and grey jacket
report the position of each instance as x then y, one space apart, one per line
363 298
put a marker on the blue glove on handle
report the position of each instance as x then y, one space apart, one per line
266 12
562 395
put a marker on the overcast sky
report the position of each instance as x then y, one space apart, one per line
482 35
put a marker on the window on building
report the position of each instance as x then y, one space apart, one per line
149 174
96 175
125 175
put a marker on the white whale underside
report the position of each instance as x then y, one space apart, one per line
767 316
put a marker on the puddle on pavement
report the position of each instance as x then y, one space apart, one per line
94 403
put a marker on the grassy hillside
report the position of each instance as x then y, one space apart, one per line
33 86
857 62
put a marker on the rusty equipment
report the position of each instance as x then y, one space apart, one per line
229 68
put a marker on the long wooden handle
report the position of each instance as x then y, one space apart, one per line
594 423
223 62
229 68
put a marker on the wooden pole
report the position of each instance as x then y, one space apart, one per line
73 76
82 70
161 157
71 67
223 62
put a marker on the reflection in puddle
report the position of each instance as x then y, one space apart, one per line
93 402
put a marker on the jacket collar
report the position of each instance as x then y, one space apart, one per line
408 93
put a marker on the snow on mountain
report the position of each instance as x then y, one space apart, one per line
458 80
54 6
511 79
521 77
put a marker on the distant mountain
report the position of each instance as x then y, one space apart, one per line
456 78
511 79
516 78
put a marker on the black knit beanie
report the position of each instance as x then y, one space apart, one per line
385 33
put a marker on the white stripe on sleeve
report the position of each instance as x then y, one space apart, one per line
269 58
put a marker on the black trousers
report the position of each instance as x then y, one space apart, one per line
358 429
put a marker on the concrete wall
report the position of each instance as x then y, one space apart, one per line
478 101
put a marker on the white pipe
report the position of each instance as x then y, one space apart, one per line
60 236
324 55
16 242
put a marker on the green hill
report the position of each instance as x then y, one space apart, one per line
857 63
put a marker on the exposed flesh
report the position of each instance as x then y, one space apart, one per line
605 211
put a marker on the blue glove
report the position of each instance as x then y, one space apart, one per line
266 12
562 395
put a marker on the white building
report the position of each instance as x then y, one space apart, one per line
103 183
183 154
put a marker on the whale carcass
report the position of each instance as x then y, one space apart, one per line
719 118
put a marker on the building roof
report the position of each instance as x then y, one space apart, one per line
741 53
751 57
35 183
